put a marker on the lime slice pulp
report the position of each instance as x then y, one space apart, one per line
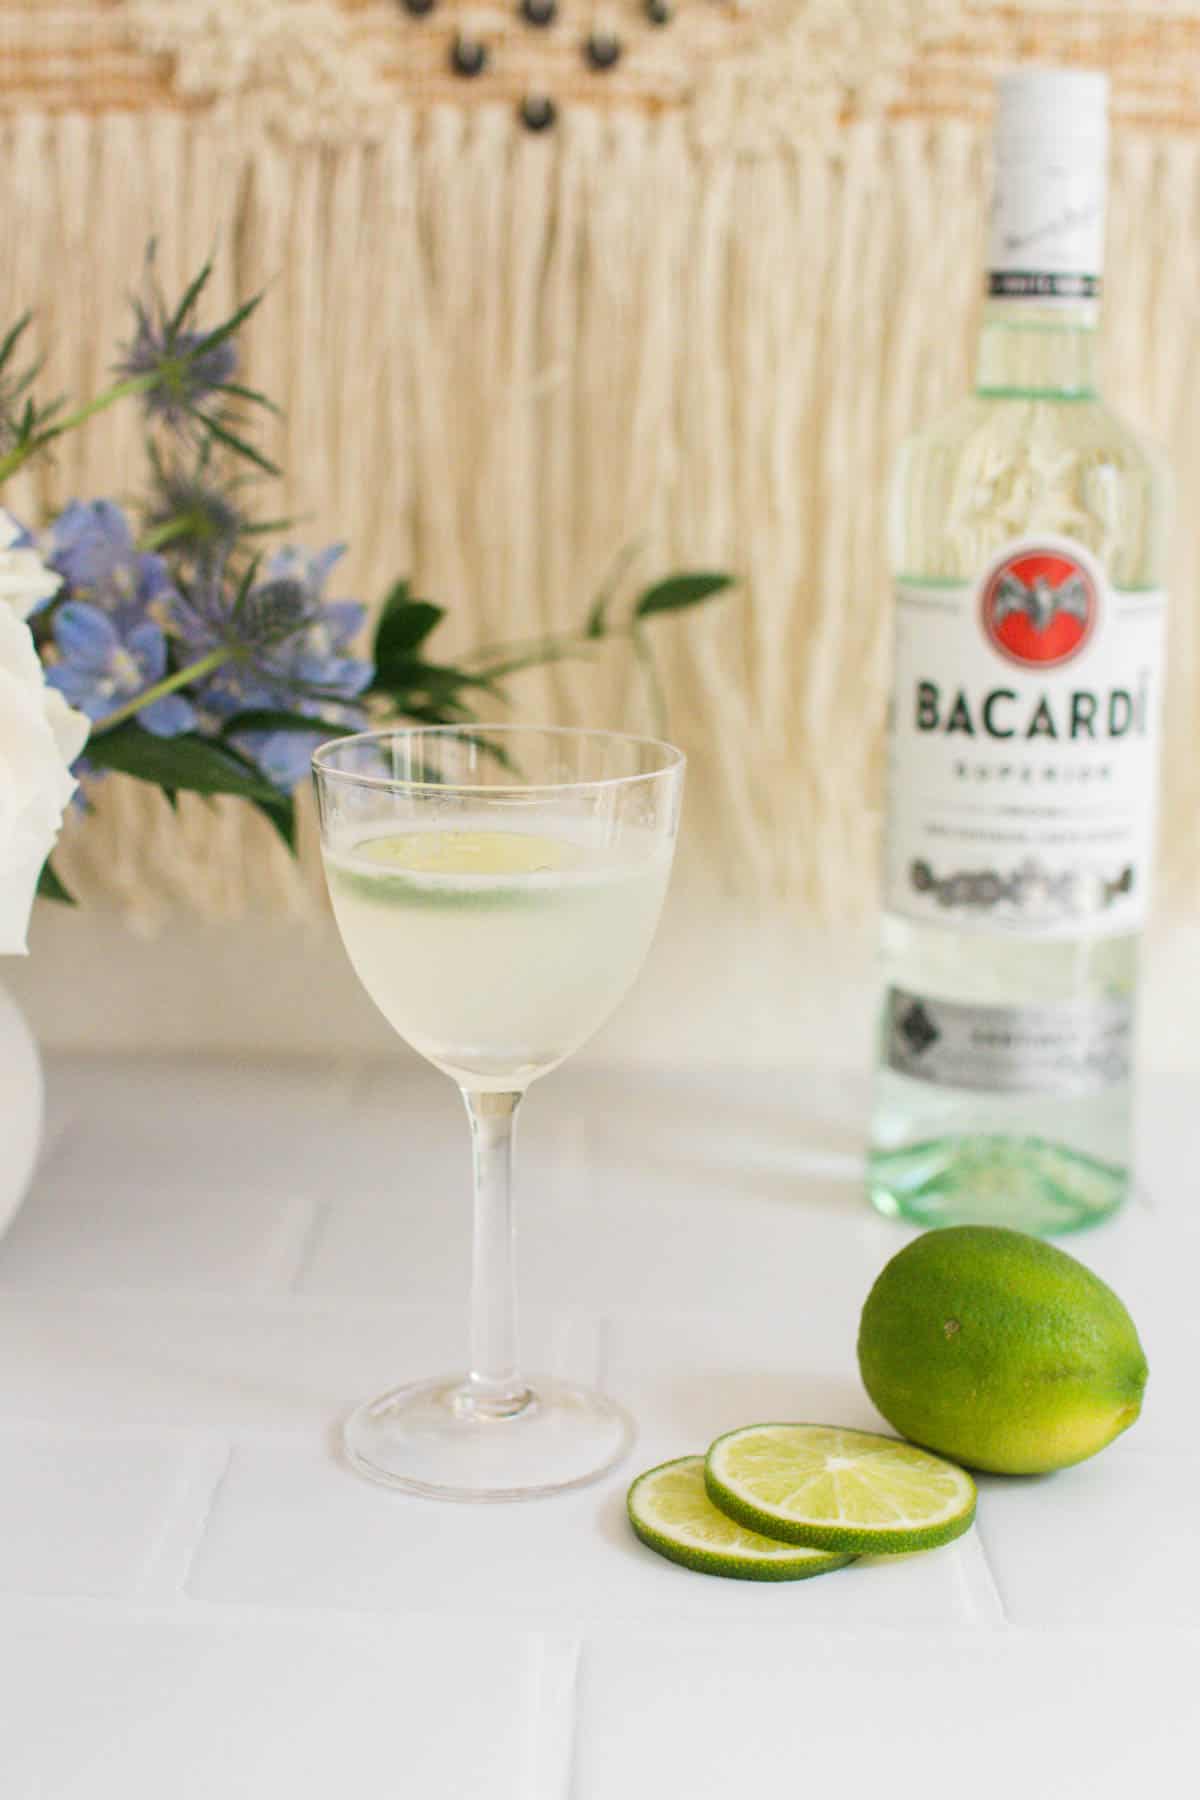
830 1488
458 853
671 1512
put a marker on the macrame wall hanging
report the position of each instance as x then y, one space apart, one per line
549 278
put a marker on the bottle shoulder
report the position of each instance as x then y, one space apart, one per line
998 467
1021 423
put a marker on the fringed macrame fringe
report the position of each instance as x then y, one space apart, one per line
502 358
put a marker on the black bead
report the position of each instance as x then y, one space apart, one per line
418 8
602 50
468 57
538 112
539 12
659 12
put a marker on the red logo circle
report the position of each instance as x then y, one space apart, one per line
1040 607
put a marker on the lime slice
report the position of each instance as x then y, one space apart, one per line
459 869
486 853
671 1512
833 1489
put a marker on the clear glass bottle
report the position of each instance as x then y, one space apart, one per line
1029 540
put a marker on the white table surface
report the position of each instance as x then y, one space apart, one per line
199 1603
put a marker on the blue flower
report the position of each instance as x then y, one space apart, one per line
101 666
285 757
291 654
91 545
186 374
188 367
196 513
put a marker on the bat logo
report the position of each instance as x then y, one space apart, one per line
1039 608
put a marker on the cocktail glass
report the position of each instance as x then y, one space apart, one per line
497 889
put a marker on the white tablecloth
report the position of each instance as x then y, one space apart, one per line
218 1260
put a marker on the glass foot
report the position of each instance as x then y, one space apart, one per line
431 1438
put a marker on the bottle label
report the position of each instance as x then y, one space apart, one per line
1046 231
1023 748
1063 1051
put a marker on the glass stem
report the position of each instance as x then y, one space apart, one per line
494 1388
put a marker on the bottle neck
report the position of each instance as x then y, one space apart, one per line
1031 351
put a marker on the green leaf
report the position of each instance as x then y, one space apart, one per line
431 692
270 527
448 713
50 887
264 719
493 748
14 337
429 772
249 576
534 659
678 591
281 812
217 336
247 393
187 762
444 677
191 294
26 380
597 619
238 445
403 626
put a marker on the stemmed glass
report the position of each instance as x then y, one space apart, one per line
497 889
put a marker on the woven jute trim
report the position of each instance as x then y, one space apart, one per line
746 73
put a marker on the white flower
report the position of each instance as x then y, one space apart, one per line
24 578
40 737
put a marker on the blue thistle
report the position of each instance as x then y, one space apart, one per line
193 512
290 653
189 369
189 372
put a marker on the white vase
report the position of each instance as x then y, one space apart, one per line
21 1099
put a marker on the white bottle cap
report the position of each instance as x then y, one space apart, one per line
1036 105
1047 225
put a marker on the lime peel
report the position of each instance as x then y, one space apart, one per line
1045 1369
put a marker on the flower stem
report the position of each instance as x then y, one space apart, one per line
16 458
518 653
167 532
168 685
496 661
654 688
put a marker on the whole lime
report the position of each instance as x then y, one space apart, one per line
1000 1351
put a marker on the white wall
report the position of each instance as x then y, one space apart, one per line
725 985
